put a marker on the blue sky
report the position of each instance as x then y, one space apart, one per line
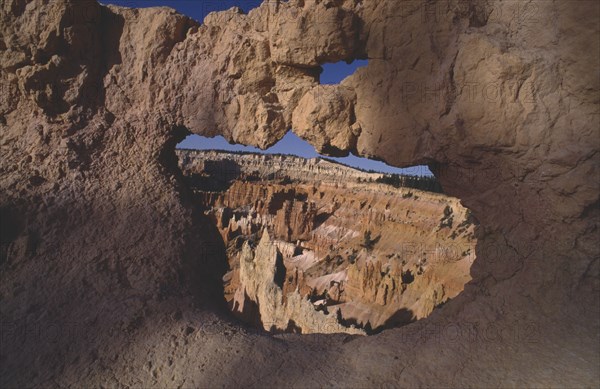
290 144
195 9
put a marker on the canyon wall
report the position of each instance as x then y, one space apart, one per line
107 271
223 166
228 166
361 251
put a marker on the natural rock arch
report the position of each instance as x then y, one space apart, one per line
499 99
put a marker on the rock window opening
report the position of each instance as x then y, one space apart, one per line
315 246
335 73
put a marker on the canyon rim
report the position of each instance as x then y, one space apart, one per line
109 274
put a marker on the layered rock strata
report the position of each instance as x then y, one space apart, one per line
364 253
230 166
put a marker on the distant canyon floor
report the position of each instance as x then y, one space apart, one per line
318 247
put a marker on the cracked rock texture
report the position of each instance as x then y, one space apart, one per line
106 271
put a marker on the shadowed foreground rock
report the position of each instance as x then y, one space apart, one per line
107 274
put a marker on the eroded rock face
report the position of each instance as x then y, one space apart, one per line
231 166
499 97
365 253
277 311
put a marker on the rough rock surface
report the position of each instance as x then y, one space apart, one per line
276 310
101 251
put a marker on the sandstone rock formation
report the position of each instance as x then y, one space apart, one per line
230 166
277 311
101 250
417 256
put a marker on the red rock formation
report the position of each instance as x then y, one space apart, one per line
416 256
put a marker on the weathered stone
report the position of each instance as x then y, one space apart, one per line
98 235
